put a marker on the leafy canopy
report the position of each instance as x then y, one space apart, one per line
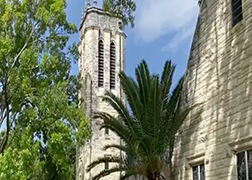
121 8
40 121
148 128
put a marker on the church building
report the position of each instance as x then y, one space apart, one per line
215 142
102 57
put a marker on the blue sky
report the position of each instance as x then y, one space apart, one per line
164 30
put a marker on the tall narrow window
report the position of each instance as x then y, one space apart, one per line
236 11
244 165
106 165
198 172
106 131
195 173
241 166
112 66
100 64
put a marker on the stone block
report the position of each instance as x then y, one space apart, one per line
97 25
220 73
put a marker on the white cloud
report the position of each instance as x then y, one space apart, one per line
179 37
155 18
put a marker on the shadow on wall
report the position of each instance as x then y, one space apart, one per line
219 74
192 141
234 77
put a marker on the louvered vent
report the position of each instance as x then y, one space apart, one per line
100 64
112 66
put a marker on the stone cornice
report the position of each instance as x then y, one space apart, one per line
94 10
121 34
241 143
197 158
91 28
88 28
107 30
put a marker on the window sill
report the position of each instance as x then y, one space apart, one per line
101 91
113 91
236 28
107 137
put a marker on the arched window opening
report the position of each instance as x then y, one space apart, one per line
100 64
112 66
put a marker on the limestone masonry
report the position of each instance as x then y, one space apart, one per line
216 139
215 142
102 48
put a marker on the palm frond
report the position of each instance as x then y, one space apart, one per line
126 148
116 146
169 125
111 159
179 118
166 79
152 120
107 172
175 97
143 81
116 126
130 89
120 108
148 127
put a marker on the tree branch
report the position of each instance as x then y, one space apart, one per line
3 116
13 119
21 51
3 143
5 140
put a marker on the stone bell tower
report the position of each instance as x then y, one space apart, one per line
102 56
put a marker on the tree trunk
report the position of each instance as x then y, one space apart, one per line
152 176
170 159
6 105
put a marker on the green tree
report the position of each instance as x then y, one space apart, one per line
148 128
39 115
123 9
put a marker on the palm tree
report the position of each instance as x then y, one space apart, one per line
148 128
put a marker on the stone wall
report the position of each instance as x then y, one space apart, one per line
219 76
97 25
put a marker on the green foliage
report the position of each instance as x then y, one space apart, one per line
38 97
22 163
123 9
148 128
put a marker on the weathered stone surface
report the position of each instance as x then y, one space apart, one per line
219 76
97 25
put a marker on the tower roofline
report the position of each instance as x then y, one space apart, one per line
94 10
